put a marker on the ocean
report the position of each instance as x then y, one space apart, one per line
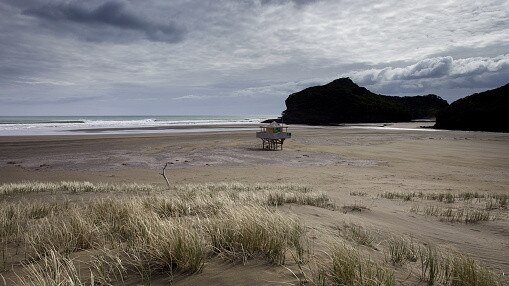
68 125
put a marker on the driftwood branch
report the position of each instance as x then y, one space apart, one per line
164 174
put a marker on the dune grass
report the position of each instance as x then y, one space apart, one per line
53 269
465 215
439 267
401 196
492 200
401 250
153 232
72 187
465 271
497 201
358 194
358 234
348 266
245 232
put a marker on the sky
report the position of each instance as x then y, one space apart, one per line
240 57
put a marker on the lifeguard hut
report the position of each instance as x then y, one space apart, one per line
273 135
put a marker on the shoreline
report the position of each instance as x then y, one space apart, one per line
204 128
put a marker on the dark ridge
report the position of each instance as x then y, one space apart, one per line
343 101
485 111
422 106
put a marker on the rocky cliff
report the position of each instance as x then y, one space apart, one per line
343 101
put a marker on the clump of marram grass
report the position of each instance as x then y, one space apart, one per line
245 232
448 197
193 190
466 215
67 234
166 207
72 187
165 247
470 195
394 195
441 197
434 266
52 269
492 201
358 194
467 272
317 199
15 220
359 235
440 267
349 267
108 267
401 250
265 194
497 201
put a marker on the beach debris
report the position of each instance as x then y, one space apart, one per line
164 174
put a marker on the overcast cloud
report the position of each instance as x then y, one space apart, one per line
240 57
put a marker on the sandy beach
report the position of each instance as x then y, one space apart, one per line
340 161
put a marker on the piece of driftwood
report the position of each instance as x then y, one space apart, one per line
164 174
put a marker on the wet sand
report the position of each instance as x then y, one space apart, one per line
337 160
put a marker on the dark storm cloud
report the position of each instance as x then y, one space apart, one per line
110 14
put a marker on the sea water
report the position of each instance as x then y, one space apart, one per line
65 125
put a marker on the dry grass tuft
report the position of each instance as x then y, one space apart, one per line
466 215
245 232
53 269
358 194
348 267
401 250
165 247
440 267
66 234
359 234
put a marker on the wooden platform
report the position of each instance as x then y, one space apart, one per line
272 144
